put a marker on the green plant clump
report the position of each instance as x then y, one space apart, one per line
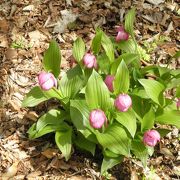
108 100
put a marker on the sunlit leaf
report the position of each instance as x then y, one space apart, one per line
154 90
78 49
121 80
52 59
96 93
63 141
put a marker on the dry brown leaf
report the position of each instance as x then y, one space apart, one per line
4 25
13 105
34 174
32 115
11 171
49 153
11 53
77 178
134 175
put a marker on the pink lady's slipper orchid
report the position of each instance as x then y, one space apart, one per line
97 118
47 81
123 102
151 137
109 82
122 34
178 103
89 60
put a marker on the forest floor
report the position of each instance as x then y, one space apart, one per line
26 27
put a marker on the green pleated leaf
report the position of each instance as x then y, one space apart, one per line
96 42
109 163
49 122
148 120
140 151
53 116
78 49
96 93
103 63
37 95
154 90
121 80
52 59
128 59
71 82
129 22
33 133
178 92
63 141
169 117
115 139
128 120
127 46
34 97
79 114
85 144
108 47
80 118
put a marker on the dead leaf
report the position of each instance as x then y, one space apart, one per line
13 105
166 152
134 175
28 8
32 115
4 25
11 172
49 153
34 174
3 41
155 2
67 17
77 178
11 53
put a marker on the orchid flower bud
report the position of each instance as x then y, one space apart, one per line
89 60
47 81
151 137
97 118
109 82
123 102
121 34
178 103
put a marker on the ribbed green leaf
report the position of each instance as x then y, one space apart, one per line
79 114
108 47
36 96
154 90
71 82
78 49
85 144
127 46
52 59
128 120
63 141
96 42
129 21
97 93
54 117
169 117
115 139
128 59
148 120
104 63
109 163
121 80
80 117
140 151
